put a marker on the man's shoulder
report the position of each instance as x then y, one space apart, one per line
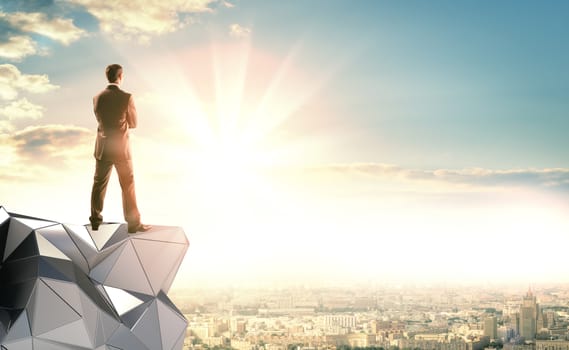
114 90
123 93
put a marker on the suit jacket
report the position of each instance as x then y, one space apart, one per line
115 113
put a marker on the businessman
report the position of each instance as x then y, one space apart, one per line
116 114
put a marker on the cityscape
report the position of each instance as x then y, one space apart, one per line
391 317
351 175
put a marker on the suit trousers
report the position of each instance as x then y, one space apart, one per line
103 169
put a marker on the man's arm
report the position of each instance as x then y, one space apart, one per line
95 100
131 117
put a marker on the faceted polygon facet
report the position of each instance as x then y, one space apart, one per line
68 287
147 329
122 300
158 259
60 238
127 272
50 311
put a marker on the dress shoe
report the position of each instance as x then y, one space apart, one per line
95 226
139 228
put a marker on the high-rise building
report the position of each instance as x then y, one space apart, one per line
550 319
514 324
491 327
345 321
529 312
552 344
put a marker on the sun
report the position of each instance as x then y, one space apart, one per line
228 163
227 101
227 107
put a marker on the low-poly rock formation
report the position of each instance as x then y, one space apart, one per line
67 287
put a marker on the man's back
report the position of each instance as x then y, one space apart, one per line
115 113
110 107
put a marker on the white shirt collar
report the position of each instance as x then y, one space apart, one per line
115 84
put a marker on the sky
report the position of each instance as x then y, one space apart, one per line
308 143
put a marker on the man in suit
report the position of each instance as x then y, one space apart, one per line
115 112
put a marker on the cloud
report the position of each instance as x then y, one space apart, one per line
5 127
59 29
12 81
31 5
16 28
238 31
548 177
126 19
48 143
17 47
21 109
38 153
228 4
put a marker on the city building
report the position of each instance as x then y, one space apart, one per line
528 316
361 340
552 345
491 327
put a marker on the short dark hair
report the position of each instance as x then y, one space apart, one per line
113 71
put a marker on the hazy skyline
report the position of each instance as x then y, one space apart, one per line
306 142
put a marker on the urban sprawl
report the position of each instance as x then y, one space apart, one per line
394 318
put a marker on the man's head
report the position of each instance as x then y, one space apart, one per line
114 73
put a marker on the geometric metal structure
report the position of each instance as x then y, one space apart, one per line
67 287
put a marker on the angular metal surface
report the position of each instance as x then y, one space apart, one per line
68 287
123 338
67 291
46 248
17 233
49 310
60 238
100 272
74 334
107 235
158 259
172 325
3 215
127 272
20 329
122 300
147 329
